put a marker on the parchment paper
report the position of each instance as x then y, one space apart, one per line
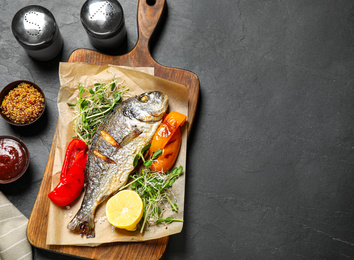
138 80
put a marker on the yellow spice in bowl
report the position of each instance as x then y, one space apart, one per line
23 104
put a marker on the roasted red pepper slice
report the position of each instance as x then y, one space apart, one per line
70 187
74 147
72 174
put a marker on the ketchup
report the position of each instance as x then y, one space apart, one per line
12 158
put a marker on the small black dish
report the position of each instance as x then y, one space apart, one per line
13 154
10 87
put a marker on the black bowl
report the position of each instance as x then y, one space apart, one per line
26 163
11 86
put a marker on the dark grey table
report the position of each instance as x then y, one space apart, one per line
270 158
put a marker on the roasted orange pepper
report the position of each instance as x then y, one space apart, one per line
167 128
168 139
169 153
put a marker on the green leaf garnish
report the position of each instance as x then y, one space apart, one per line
156 154
146 147
136 160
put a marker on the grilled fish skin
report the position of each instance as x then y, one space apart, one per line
121 135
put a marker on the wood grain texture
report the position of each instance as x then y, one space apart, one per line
147 18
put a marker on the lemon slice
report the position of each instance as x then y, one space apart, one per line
125 209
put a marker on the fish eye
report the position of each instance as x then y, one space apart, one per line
144 98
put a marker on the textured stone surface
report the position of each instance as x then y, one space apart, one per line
270 158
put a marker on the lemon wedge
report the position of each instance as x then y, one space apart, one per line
125 209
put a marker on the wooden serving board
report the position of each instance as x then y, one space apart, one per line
148 15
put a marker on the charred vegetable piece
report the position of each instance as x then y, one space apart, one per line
169 125
168 139
169 154
74 147
71 185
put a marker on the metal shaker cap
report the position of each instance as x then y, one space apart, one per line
34 27
102 19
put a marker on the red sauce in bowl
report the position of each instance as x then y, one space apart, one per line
13 159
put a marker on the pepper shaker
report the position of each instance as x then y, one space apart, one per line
104 23
36 30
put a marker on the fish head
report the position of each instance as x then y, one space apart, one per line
148 106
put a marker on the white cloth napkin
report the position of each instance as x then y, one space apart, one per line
13 239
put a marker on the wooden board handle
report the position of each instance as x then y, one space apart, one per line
149 14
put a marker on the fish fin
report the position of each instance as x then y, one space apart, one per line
82 224
130 137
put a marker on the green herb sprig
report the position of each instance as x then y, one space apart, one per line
167 220
154 189
94 107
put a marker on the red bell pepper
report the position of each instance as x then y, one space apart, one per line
72 174
74 147
70 187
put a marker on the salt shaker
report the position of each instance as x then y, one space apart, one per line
36 30
104 23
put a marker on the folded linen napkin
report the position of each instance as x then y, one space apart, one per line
13 239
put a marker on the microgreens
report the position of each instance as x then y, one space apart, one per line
154 189
93 108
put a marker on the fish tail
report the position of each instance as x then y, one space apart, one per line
82 224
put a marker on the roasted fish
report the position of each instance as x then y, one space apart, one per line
121 135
